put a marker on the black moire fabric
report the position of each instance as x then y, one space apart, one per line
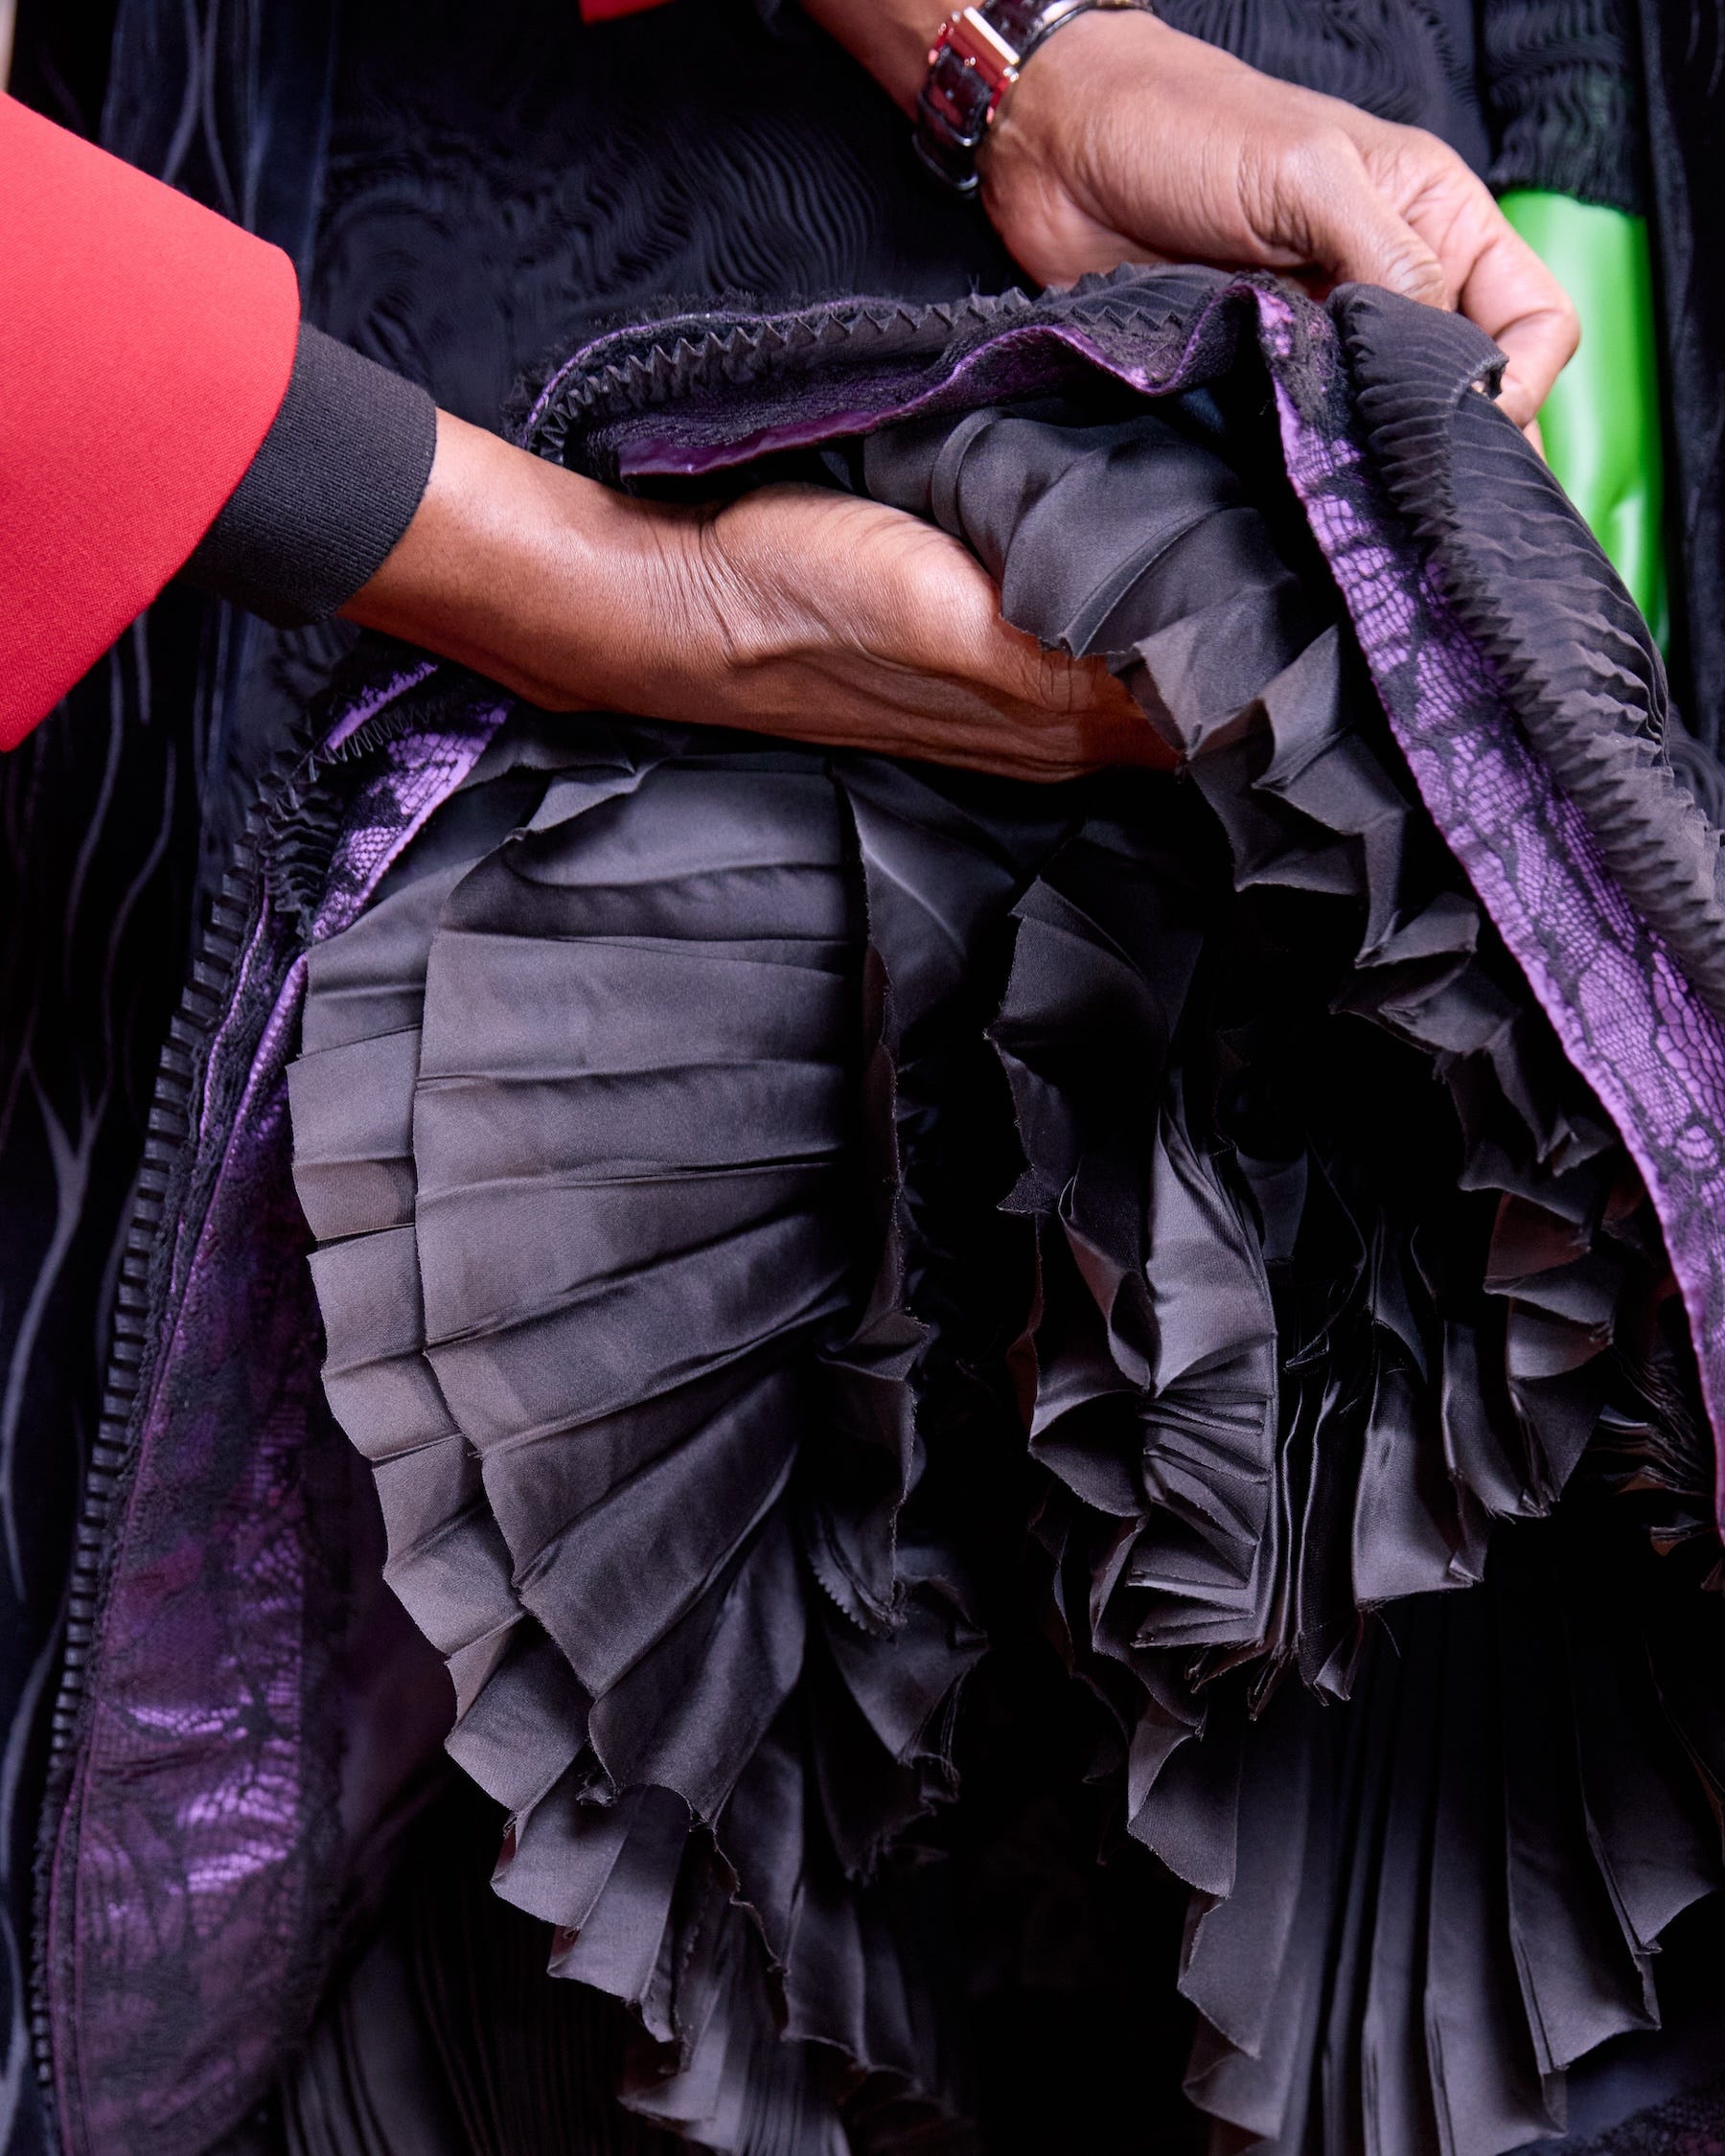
1683 48
1563 99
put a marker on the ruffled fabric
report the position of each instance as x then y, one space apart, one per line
654 1374
707 1139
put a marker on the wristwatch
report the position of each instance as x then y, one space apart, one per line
973 61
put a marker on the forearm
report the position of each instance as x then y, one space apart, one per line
549 583
891 38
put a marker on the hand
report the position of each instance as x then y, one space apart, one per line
1125 141
791 611
834 619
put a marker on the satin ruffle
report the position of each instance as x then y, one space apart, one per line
693 1126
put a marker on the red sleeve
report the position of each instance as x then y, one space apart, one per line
146 345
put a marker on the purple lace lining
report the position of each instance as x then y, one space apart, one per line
1643 1038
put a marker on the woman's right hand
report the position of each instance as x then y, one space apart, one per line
791 610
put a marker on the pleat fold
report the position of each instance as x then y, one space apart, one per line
709 1139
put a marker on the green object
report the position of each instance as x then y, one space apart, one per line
1600 422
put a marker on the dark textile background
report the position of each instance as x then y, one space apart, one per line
103 815
462 187
1683 45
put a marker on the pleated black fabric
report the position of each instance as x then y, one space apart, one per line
1601 720
754 1184
447 2039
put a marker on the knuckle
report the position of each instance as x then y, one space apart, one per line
1424 147
1420 275
1323 154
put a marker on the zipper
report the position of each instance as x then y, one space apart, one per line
267 853
203 999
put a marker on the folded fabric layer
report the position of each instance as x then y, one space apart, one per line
707 1138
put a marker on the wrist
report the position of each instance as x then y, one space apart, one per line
565 591
512 567
1044 130
889 38
976 62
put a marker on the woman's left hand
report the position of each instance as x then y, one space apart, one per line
1123 139
1126 141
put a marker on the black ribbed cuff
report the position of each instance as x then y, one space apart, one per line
333 487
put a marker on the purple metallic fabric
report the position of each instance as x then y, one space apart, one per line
211 1802
189 1879
192 1872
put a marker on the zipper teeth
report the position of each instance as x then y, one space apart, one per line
284 793
200 1007
215 953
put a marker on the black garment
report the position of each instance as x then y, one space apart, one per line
1564 101
447 236
333 487
721 1151
1683 48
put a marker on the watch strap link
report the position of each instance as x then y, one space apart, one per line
975 60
